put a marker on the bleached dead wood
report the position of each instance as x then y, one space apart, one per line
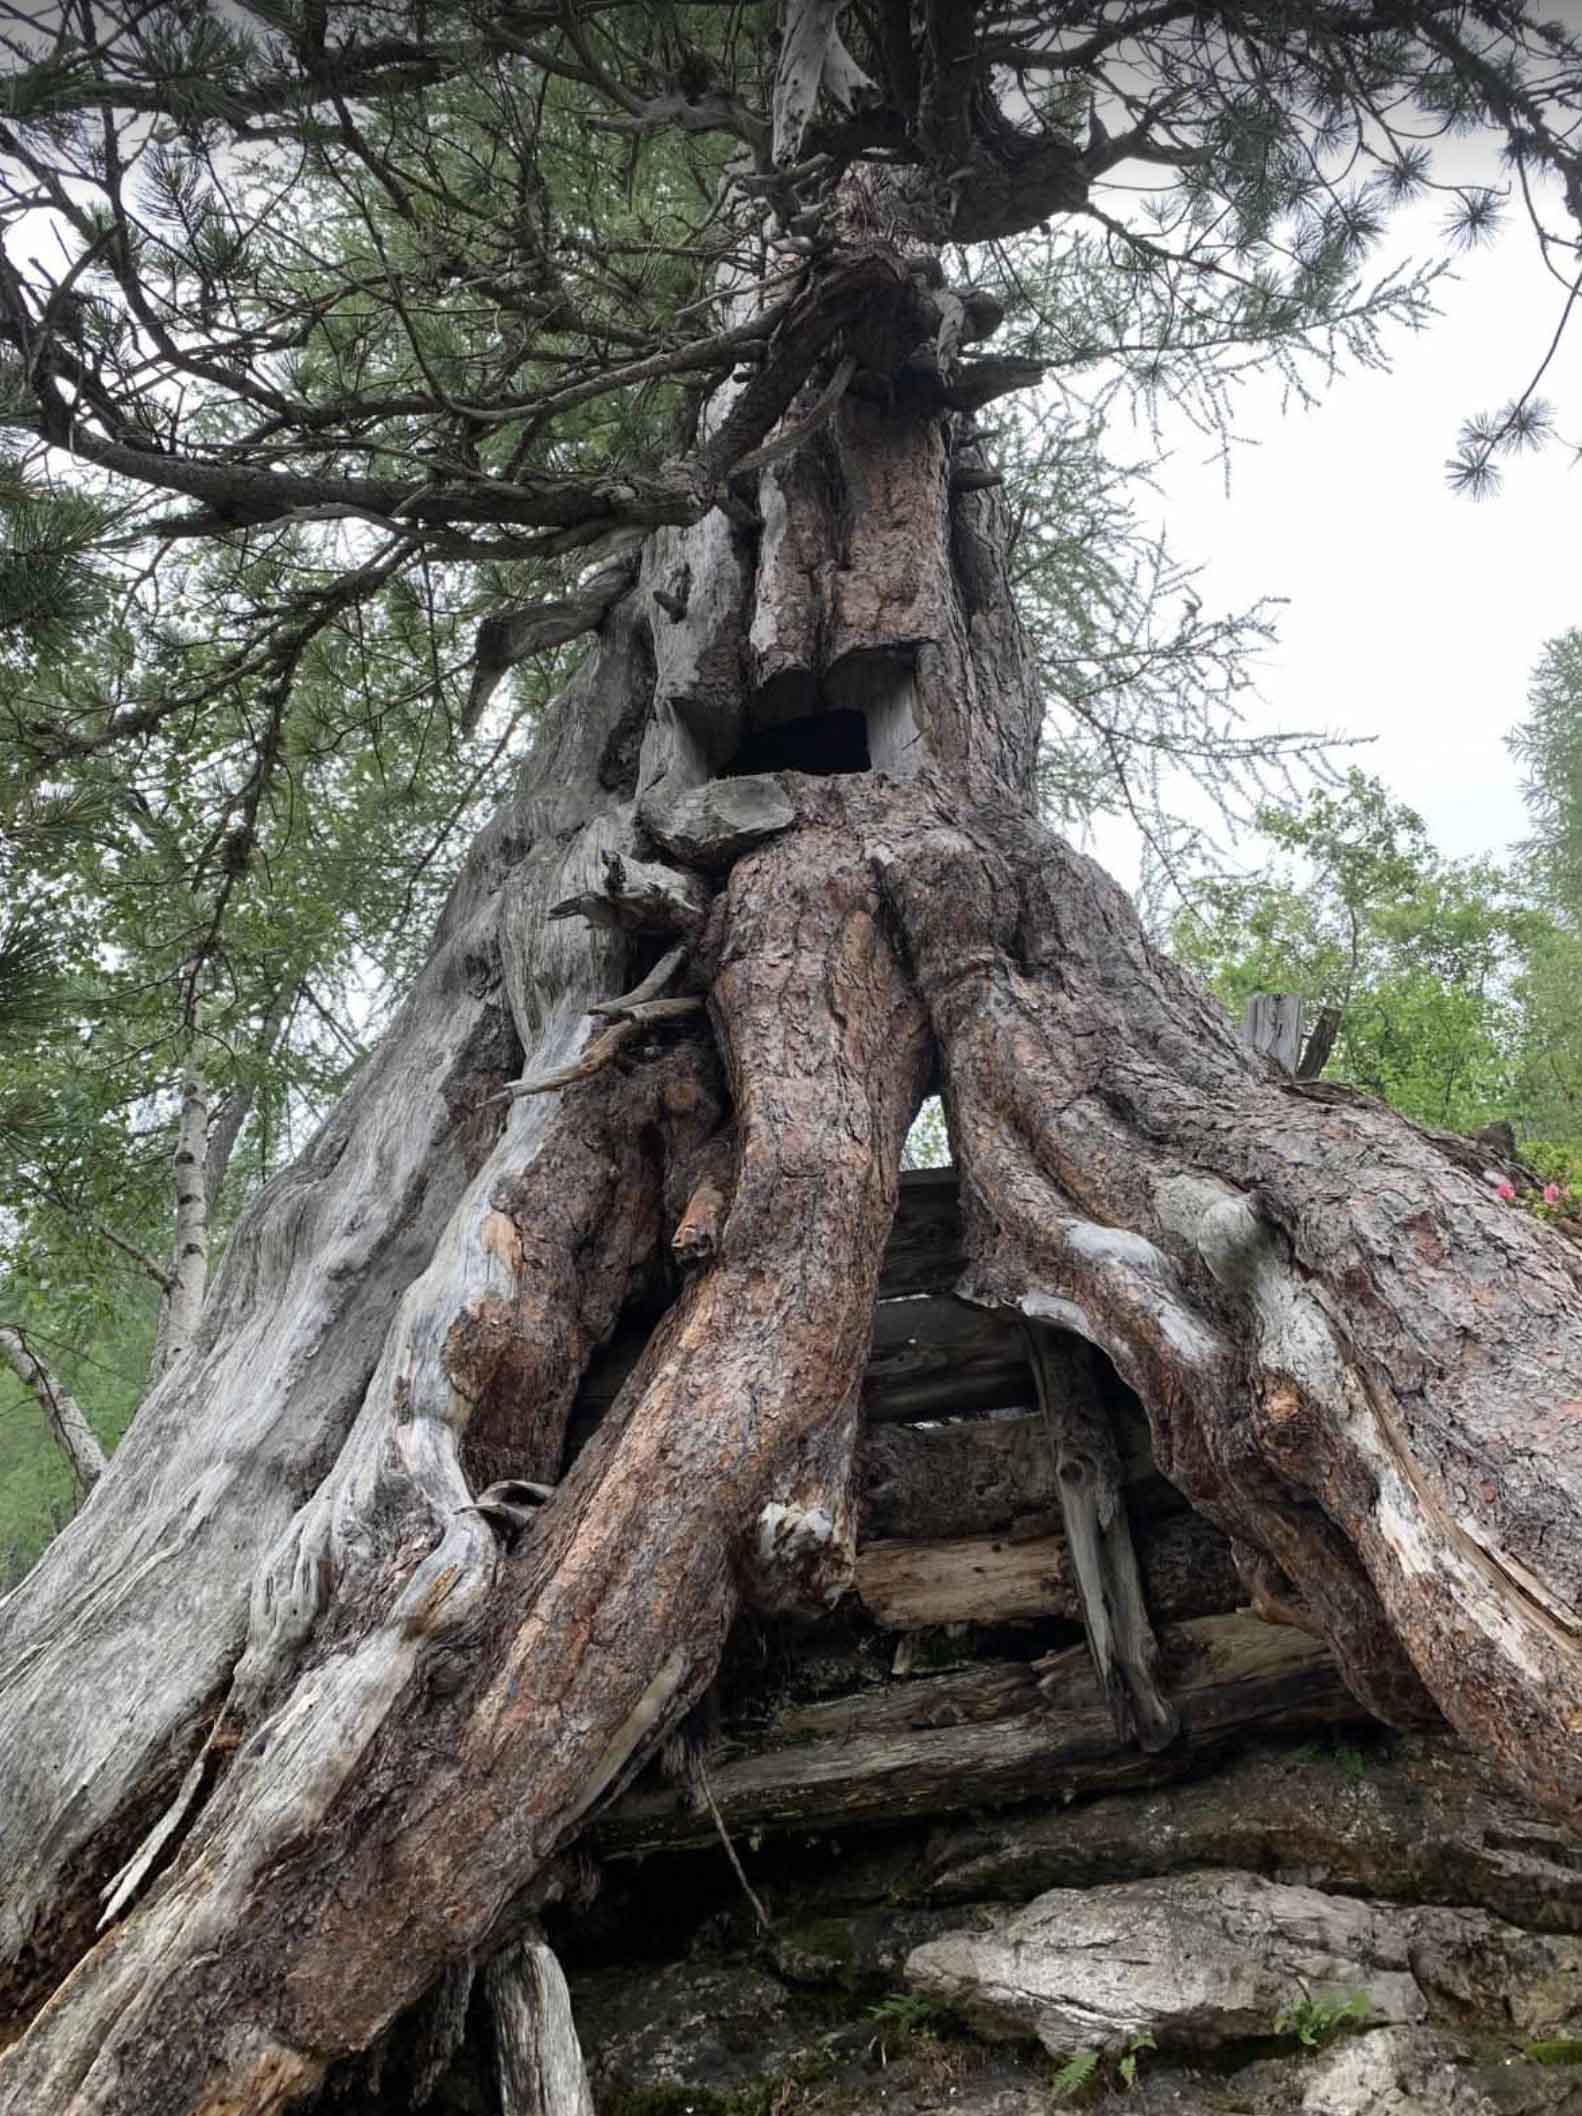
1187 1570
141 1605
640 896
1271 1024
710 826
538 2059
1102 1558
812 56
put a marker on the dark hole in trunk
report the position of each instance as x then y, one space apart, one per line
825 744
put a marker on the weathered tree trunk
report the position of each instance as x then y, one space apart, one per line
299 1696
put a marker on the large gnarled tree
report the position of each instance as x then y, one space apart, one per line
302 1713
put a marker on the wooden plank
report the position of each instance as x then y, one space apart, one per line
992 1736
1272 1023
983 1476
935 1355
1187 1570
924 1253
932 1355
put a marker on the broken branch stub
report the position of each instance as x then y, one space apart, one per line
1099 1538
641 896
650 987
606 1048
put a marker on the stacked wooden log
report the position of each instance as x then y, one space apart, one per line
956 1677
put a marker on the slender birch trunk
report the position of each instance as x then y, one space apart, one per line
64 1415
188 1281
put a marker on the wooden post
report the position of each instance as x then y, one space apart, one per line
1272 1023
537 2055
1099 1538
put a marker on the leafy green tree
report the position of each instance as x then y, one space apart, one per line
1421 956
212 917
1548 746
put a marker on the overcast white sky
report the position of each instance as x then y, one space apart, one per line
1414 616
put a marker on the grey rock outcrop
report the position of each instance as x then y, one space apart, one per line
1197 1960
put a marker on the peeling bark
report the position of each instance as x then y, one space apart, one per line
308 1697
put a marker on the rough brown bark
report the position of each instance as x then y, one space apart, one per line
1288 1277
315 1724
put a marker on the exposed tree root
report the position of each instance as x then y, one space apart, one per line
436 1756
1354 1358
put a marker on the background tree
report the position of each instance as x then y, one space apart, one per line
1548 744
1421 956
350 294
207 944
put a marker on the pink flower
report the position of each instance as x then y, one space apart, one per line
1506 1191
1551 1193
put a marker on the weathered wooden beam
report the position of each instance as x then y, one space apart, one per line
1187 1570
1272 1023
983 1476
934 1354
991 1736
1103 1558
924 1253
